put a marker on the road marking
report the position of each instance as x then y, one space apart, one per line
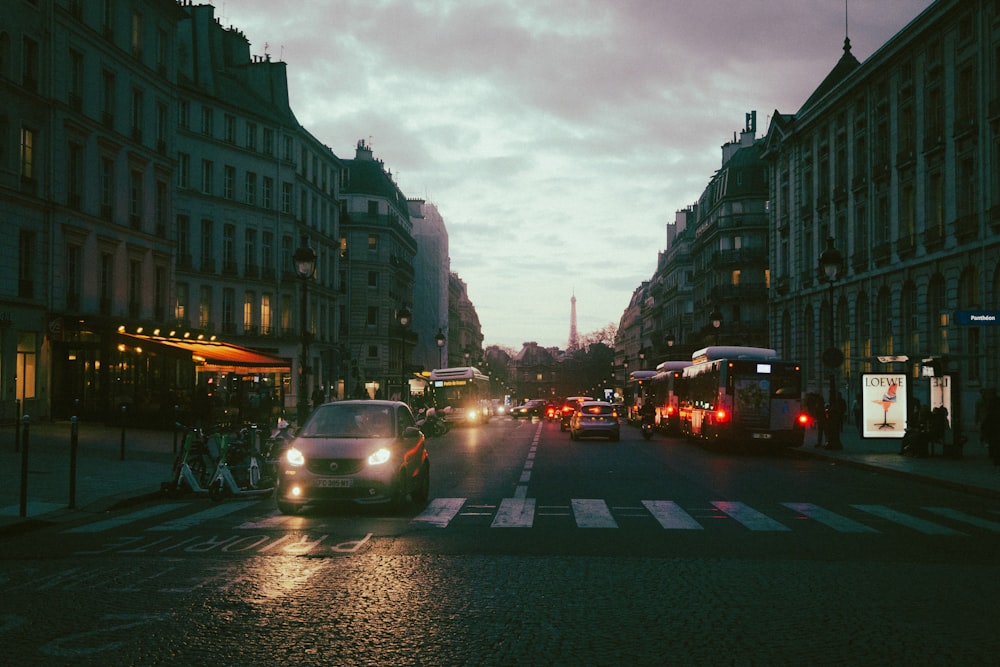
965 518
440 511
749 517
108 524
926 527
591 513
671 516
828 518
515 513
185 522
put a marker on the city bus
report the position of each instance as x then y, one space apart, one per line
664 387
637 393
744 396
461 394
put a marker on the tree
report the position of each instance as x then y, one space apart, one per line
605 335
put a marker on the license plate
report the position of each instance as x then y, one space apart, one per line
762 436
334 483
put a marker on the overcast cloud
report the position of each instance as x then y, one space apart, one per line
557 138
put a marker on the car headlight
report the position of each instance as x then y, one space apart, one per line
379 457
294 457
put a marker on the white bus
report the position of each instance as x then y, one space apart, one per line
461 394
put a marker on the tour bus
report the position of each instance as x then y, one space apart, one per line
462 394
637 393
742 396
664 387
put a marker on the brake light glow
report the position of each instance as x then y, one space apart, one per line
721 416
804 419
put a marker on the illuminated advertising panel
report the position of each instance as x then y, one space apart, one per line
883 405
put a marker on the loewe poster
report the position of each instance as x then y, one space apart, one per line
883 405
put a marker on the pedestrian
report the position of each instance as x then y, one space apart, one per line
814 406
856 413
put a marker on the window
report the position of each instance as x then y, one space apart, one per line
268 141
286 153
249 300
135 202
162 44
229 123
76 80
373 242
228 249
372 320
267 250
27 160
180 304
25 264
29 64
136 37
184 114
27 358
134 287
286 198
228 310
74 275
184 239
373 278
265 314
183 170
205 307
107 281
267 192
206 176
74 175
159 292
251 189
372 209
207 246
161 127
108 98
252 136
250 249
207 121
107 187
160 208
137 115
229 182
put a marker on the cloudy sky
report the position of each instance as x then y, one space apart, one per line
556 137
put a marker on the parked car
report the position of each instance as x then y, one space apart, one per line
595 419
360 451
532 408
567 409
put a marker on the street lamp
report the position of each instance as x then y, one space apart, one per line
404 315
831 263
304 260
716 319
439 339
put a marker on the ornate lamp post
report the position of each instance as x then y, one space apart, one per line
439 339
670 340
404 315
716 319
305 265
831 263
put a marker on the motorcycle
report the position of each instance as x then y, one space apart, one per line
647 429
430 423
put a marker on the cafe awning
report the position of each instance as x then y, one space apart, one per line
213 356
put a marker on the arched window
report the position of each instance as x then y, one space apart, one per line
862 332
883 322
937 316
910 327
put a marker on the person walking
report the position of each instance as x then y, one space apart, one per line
835 422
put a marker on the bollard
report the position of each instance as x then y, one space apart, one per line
17 422
124 408
26 419
74 441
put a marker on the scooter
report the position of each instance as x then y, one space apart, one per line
190 472
240 470
647 429
430 423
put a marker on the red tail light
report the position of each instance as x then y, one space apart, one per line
669 411
804 420
721 416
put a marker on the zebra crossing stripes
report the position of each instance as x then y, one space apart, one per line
827 518
515 513
108 524
750 517
916 523
440 511
671 516
191 520
591 513
955 515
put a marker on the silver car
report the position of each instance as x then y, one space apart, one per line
595 419
362 452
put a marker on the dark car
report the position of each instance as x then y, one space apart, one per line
358 452
533 408
595 419
567 409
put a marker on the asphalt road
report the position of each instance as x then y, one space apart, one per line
532 550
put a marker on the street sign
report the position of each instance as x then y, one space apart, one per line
896 359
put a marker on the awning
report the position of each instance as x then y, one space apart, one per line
214 356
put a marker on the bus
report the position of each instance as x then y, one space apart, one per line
461 394
664 387
743 396
637 393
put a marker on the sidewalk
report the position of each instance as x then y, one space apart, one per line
104 480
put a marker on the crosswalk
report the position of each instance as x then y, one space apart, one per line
584 514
